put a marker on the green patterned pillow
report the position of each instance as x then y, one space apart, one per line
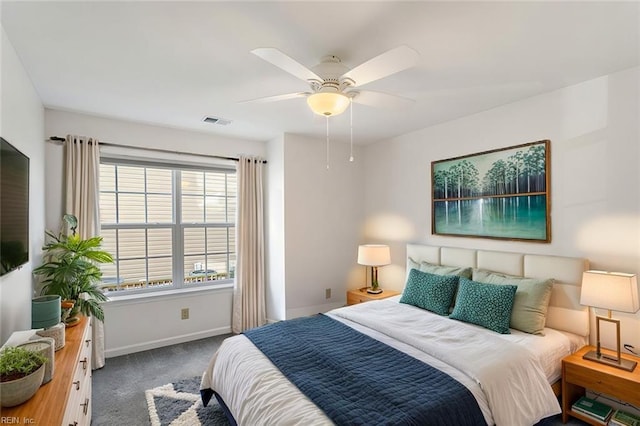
531 302
429 291
487 305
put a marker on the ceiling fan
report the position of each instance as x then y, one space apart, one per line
333 85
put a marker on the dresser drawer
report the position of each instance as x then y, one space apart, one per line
78 408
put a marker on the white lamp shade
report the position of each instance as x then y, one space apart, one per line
374 255
615 291
328 103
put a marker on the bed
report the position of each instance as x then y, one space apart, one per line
385 362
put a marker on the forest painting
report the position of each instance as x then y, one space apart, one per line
502 194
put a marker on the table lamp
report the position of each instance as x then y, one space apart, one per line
614 291
374 255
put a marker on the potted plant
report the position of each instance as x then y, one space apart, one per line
21 374
71 270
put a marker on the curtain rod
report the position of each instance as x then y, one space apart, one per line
165 151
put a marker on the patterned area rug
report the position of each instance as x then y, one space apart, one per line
179 403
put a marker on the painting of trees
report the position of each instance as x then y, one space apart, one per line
497 194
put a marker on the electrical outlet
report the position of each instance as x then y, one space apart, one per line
327 293
185 313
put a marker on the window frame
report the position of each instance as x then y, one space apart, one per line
177 227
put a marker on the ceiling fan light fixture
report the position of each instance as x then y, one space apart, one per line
328 103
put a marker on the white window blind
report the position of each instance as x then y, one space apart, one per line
167 227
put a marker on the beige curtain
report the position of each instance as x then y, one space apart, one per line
249 309
82 166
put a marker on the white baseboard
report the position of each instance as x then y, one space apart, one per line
173 340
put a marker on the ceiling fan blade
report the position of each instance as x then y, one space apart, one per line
276 98
383 65
286 63
381 100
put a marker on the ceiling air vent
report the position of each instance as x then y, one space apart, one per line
216 120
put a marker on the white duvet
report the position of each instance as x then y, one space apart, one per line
506 379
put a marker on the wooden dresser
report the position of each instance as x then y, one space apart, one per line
66 399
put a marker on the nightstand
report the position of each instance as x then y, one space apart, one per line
360 296
579 374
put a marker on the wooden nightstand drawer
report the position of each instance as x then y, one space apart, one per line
356 296
591 379
353 298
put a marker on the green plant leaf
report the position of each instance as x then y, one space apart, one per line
71 269
19 360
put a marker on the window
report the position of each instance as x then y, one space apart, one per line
166 227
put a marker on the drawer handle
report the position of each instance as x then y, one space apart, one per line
87 342
84 363
73 424
77 384
85 406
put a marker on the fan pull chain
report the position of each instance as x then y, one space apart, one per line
351 128
327 118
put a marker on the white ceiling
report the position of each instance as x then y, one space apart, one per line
172 63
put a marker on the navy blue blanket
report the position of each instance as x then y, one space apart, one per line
357 380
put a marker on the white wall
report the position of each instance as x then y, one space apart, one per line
135 325
322 213
22 124
595 178
140 324
274 222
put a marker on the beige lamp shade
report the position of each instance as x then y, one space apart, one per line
615 291
328 103
374 255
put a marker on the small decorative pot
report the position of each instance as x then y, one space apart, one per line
18 391
45 311
44 346
70 313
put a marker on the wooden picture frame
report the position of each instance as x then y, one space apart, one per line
501 194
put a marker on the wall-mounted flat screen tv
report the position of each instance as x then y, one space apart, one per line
14 208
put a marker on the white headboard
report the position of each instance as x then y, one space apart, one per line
565 312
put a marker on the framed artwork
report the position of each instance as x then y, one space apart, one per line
502 194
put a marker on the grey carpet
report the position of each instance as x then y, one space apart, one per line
119 388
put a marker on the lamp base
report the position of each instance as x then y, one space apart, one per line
372 291
624 364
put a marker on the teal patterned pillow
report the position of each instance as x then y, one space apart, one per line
429 291
487 305
531 302
446 270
